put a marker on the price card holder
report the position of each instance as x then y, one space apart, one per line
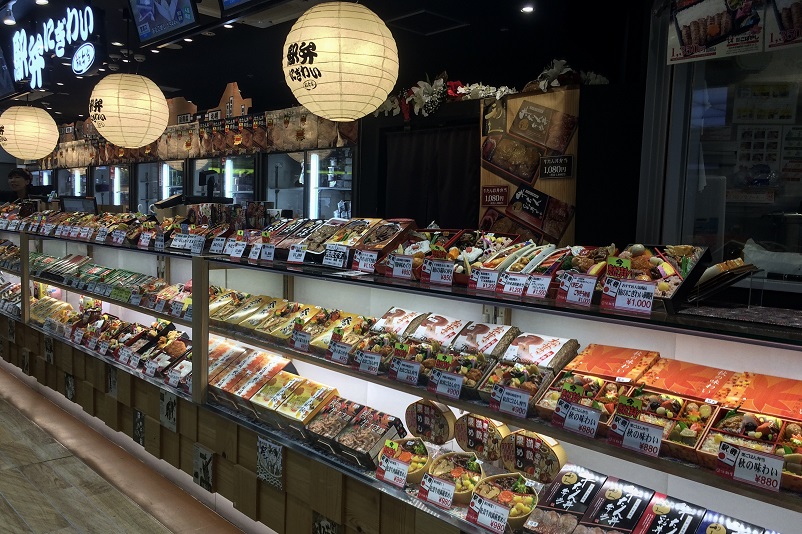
483 280
144 239
124 355
229 246
439 272
488 514
136 299
195 244
176 309
78 336
150 368
91 343
3 224
239 249
576 289
446 384
338 352
255 253
218 244
297 254
173 378
103 348
511 401
133 362
335 256
576 418
631 296
158 243
268 252
537 286
48 229
300 340
436 491
400 266
365 261
368 362
635 435
513 284
749 466
404 371
392 470
188 313
117 237
159 307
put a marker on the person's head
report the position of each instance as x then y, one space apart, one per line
18 180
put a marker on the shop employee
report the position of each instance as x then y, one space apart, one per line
19 181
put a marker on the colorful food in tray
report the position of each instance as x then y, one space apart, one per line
316 241
412 451
463 469
512 491
790 448
745 429
667 266
383 344
352 232
528 377
382 233
691 422
321 321
363 440
481 435
279 316
591 386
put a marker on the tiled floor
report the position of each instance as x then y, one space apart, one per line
47 487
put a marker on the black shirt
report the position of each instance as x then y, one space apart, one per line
11 196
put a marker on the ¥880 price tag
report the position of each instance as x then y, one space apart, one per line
749 466
635 435
576 418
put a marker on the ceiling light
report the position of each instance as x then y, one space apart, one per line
101 70
57 112
8 16
80 114
59 83
155 51
228 26
80 77
116 43
187 39
48 108
528 8
41 2
125 61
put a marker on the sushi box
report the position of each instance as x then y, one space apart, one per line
563 502
618 506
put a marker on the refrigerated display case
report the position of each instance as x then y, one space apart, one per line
330 179
111 184
42 177
72 182
233 177
157 181
284 181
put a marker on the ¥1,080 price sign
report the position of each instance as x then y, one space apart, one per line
749 466
635 435
436 491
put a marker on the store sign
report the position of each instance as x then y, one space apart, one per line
30 50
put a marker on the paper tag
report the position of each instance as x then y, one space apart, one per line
159 307
118 237
86 231
297 254
576 418
368 362
188 313
48 228
635 435
13 225
3 224
218 244
749 466
440 272
537 286
239 249
51 326
176 309
509 400
300 340
133 362
483 280
124 355
102 234
150 368
136 299
179 241
229 246
78 335
401 267
635 296
512 284
338 352
335 256
268 252
579 290
103 347
393 471
488 514
365 261
158 244
404 371
173 378
74 232
256 251
91 342
436 491
195 244
448 384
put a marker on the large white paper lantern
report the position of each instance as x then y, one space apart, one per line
340 61
27 132
128 110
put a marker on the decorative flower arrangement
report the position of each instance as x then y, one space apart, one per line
426 97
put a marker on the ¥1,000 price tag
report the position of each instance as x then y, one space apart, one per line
392 471
436 491
576 418
635 435
488 514
338 352
218 244
268 252
448 384
335 255
749 466
368 362
509 400
297 254
635 296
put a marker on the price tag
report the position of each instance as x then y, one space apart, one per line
635 435
176 309
173 378
218 244
239 249
188 313
436 491
120 294
368 362
78 335
401 267
136 299
749 466
392 471
537 286
297 254
179 241
195 244
509 400
74 232
51 326
488 514
335 256
159 307
144 239
483 280
3 224
440 272
124 355
91 343
118 237
107 289
158 244
300 340
338 352
635 296
134 361
13 225
512 284
365 261
48 229
579 289
150 368
229 246
576 418
268 252
404 371
256 251
448 384
103 347
86 231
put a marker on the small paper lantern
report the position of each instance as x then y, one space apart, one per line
28 132
128 110
340 61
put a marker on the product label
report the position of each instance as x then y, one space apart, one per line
176 308
124 355
51 326
631 296
135 300
440 272
488 514
338 352
118 237
239 249
401 267
218 244
336 256
368 362
144 239
300 340
188 313
159 307
404 371
78 335
365 261
101 236
447 384
483 280
576 289
512 284
436 491
48 228
133 362
268 252
256 251
158 244
635 435
228 248
150 368
576 418
75 231
85 232
179 242
91 343
749 466
392 470
103 348
509 400
537 286
173 378
195 244
297 254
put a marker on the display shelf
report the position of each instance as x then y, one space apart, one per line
670 466
454 517
335 188
114 363
12 272
173 253
765 335
127 305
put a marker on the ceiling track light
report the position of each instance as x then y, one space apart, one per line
8 15
529 8
42 2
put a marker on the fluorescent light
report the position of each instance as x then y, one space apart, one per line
66 63
76 183
228 26
80 77
41 2
116 43
59 83
528 8
101 70
228 188
187 39
116 185
314 183
165 179
125 61
155 51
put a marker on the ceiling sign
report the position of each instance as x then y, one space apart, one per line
74 29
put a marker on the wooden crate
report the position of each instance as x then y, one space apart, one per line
146 396
188 419
153 432
396 517
170 447
85 396
108 409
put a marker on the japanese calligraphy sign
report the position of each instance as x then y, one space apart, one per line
749 466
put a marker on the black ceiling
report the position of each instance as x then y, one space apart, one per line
489 42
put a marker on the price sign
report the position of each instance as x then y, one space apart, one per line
635 435
78 335
404 371
509 400
440 272
158 244
256 251
159 307
239 249
512 284
133 362
488 514
49 228
176 309
173 378
229 246
537 286
195 244
51 325
338 352
136 299
483 280
150 368
144 239
118 237
218 244
365 261
188 313
436 491
124 355
749 466
300 340
368 362
102 234
103 347
85 232
3 224
74 232
335 256
579 290
297 254
635 296
121 294
91 343
448 384
576 418
13 225
401 267
392 471
179 241
268 252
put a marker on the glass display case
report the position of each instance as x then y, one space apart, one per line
157 181
111 184
72 182
42 177
230 177
284 181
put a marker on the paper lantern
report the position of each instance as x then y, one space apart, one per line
27 132
128 110
340 61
